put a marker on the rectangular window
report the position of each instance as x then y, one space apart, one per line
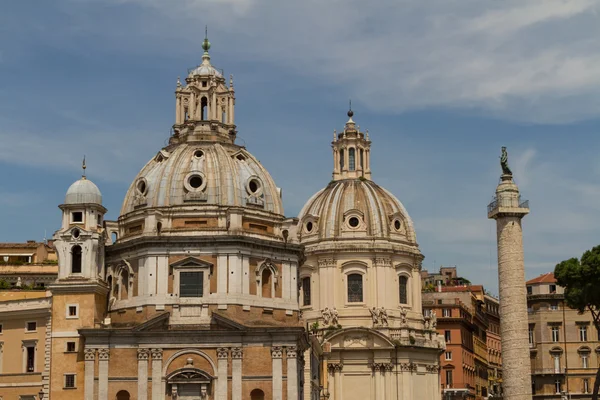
70 381
447 312
531 332
355 288
306 291
31 326
99 219
447 336
448 356
403 289
76 217
552 288
555 334
191 284
584 361
586 385
72 311
529 290
583 333
553 306
30 367
449 378
70 347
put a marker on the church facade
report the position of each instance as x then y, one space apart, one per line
203 289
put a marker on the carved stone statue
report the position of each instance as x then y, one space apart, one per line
374 315
326 314
504 162
433 320
403 316
383 317
334 317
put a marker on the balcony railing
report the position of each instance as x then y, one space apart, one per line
507 203
548 371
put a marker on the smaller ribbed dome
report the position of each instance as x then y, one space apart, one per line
83 191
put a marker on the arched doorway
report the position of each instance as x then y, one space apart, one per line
257 394
122 395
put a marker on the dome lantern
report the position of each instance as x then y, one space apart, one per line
351 152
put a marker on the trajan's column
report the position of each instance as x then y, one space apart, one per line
508 209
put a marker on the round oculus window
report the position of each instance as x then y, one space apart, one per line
397 225
309 226
141 186
353 222
253 185
198 154
75 233
195 181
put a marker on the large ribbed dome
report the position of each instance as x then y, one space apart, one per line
203 173
355 208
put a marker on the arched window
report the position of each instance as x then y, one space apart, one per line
223 116
124 285
341 159
403 289
306 291
203 108
114 236
266 283
257 394
362 155
355 288
123 395
351 159
76 260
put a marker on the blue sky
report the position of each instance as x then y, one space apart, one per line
441 85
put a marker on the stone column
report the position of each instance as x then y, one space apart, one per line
222 356
292 373
236 373
508 210
157 392
338 382
103 357
277 354
143 355
89 364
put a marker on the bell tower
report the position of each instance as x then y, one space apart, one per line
351 152
205 105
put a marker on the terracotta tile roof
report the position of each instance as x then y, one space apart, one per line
544 278
28 245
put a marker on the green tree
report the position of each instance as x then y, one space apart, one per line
581 279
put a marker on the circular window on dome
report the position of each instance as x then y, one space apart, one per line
353 222
195 182
254 187
198 154
397 224
142 186
309 226
75 233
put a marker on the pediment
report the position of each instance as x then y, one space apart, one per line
191 262
359 339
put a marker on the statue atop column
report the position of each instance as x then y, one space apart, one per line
504 162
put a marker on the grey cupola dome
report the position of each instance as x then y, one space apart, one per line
83 191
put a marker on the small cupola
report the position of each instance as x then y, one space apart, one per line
351 152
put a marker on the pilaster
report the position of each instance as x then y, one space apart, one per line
157 358
103 357
277 355
143 356
222 358
236 372
89 363
292 372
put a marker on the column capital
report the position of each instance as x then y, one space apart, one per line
222 353
143 354
276 352
103 354
90 354
157 354
291 352
335 367
236 352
